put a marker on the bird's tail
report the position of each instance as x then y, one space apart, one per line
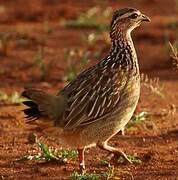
40 104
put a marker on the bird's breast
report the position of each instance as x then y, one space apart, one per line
128 101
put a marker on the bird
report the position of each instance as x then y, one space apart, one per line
100 101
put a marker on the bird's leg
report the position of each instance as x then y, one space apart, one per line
116 151
81 160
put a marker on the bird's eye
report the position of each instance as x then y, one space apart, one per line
134 16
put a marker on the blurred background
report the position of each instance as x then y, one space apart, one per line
46 43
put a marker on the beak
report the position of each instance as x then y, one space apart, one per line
145 18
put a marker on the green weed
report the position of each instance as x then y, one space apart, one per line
136 119
93 18
76 176
153 85
109 173
47 28
104 162
134 159
39 61
94 37
174 54
48 154
14 98
93 176
71 56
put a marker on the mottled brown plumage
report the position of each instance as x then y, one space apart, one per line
101 100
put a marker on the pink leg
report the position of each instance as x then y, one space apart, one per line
81 160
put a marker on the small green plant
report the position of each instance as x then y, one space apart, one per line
71 57
39 61
104 162
90 38
136 119
134 159
153 85
93 18
174 54
94 37
173 24
76 176
47 28
109 173
66 155
71 71
49 154
14 98
93 176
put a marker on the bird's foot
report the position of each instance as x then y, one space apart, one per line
117 152
118 155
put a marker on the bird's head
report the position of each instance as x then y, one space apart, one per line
127 19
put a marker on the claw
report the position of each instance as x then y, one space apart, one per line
124 156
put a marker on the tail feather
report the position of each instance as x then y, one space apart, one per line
40 104
32 113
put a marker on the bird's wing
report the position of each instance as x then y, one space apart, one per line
93 95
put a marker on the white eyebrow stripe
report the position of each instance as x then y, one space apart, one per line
128 14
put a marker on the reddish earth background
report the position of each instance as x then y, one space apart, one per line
155 141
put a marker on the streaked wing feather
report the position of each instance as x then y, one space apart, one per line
77 111
93 95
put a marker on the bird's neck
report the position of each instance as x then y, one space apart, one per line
121 40
123 51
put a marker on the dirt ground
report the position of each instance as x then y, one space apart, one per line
155 141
